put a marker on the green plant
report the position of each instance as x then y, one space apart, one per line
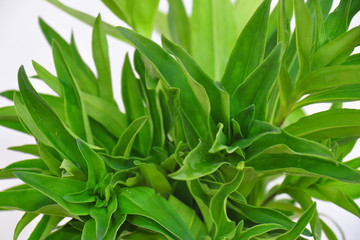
212 117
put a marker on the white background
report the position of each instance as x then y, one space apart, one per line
22 41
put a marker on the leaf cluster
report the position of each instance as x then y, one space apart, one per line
212 117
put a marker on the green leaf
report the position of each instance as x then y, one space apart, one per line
179 24
51 158
249 49
264 215
305 165
74 111
105 113
102 216
89 231
175 77
300 225
131 93
223 225
101 59
336 123
44 227
256 87
96 165
147 223
345 93
29 149
344 44
334 195
305 202
23 222
115 223
245 9
140 14
219 99
86 18
189 217
155 179
83 75
124 145
56 188
65 232
145 202
304 36
199 162
28 200
281 142
45 118
259 230
48 78
9 119
211 43
338 21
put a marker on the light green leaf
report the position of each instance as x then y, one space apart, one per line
304 165
101 59
327 78
124 145
344 123
179 24
145 202
249 49
211 43
86 18
245 9
304 36
199 162
344 44
338 21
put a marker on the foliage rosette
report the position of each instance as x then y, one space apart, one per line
212 117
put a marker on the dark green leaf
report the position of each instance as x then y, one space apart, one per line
249 49
44 227
256 87
145 202
175 77
29 149
199 162
23 222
